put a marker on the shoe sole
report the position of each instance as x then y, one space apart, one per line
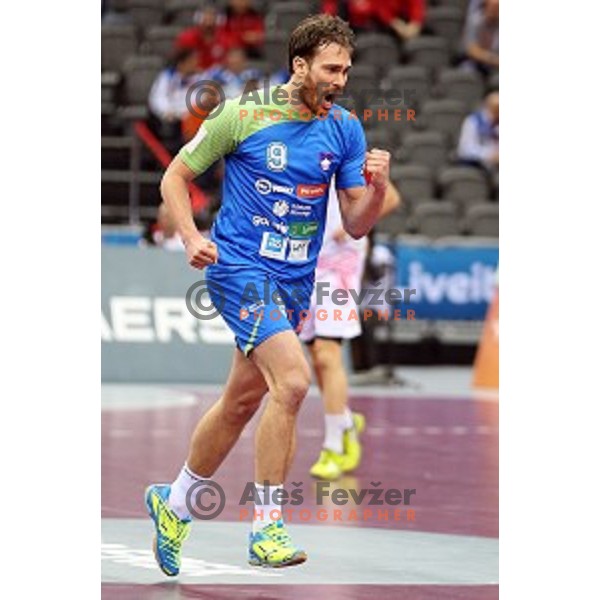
294 561
323 478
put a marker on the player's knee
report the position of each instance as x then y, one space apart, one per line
325 359
293 387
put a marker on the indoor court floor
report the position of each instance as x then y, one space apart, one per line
436 437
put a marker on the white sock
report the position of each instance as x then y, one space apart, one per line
179 491
348 420
334 431
349 425
265 510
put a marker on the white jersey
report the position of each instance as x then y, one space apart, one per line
333 223
340 265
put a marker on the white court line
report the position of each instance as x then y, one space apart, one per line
432 430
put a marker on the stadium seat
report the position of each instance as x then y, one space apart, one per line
160 40
377 49
446 22
363 86
428 51
464 185
436 219
397 222
414 181
379 138
410 82
483 220
140 73
146 13
181 12
118 42
462 85
426 148
445 116
284 16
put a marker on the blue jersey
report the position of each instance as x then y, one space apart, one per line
278 168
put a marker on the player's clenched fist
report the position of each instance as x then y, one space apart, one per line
377 167
200 251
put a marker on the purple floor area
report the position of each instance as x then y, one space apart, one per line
447 450
297 592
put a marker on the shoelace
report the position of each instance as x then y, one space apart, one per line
282 537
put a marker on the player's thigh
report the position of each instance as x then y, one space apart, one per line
281 360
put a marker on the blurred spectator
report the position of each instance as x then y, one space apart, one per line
404 17
116 13
234 75
481 39
479 141
209 37
246 26
167 99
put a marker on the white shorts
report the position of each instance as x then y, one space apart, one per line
341 319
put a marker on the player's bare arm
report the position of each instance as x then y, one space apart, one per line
391 201
174 190
361 206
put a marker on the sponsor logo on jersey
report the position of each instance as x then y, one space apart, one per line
273 245
264 187
301 210
281 227
281 208
311 190
257 220
298 250
304 229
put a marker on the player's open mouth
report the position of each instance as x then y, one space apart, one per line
328 100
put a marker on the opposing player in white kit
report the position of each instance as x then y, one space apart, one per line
340 267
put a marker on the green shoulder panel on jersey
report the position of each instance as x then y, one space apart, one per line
238 119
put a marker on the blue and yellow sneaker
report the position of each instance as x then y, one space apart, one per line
352 446
272 547
171 531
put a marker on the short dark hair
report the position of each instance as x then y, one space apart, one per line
316 32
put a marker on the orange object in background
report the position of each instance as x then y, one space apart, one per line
487 360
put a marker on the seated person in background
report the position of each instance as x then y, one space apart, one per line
246 26
481 39
209 37
407 17
479 140
403 17
167 99
234 75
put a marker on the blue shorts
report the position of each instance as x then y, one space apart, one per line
256 305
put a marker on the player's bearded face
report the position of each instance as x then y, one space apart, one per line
326 78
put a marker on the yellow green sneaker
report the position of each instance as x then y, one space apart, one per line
352 446
171 531
272 547
329 465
